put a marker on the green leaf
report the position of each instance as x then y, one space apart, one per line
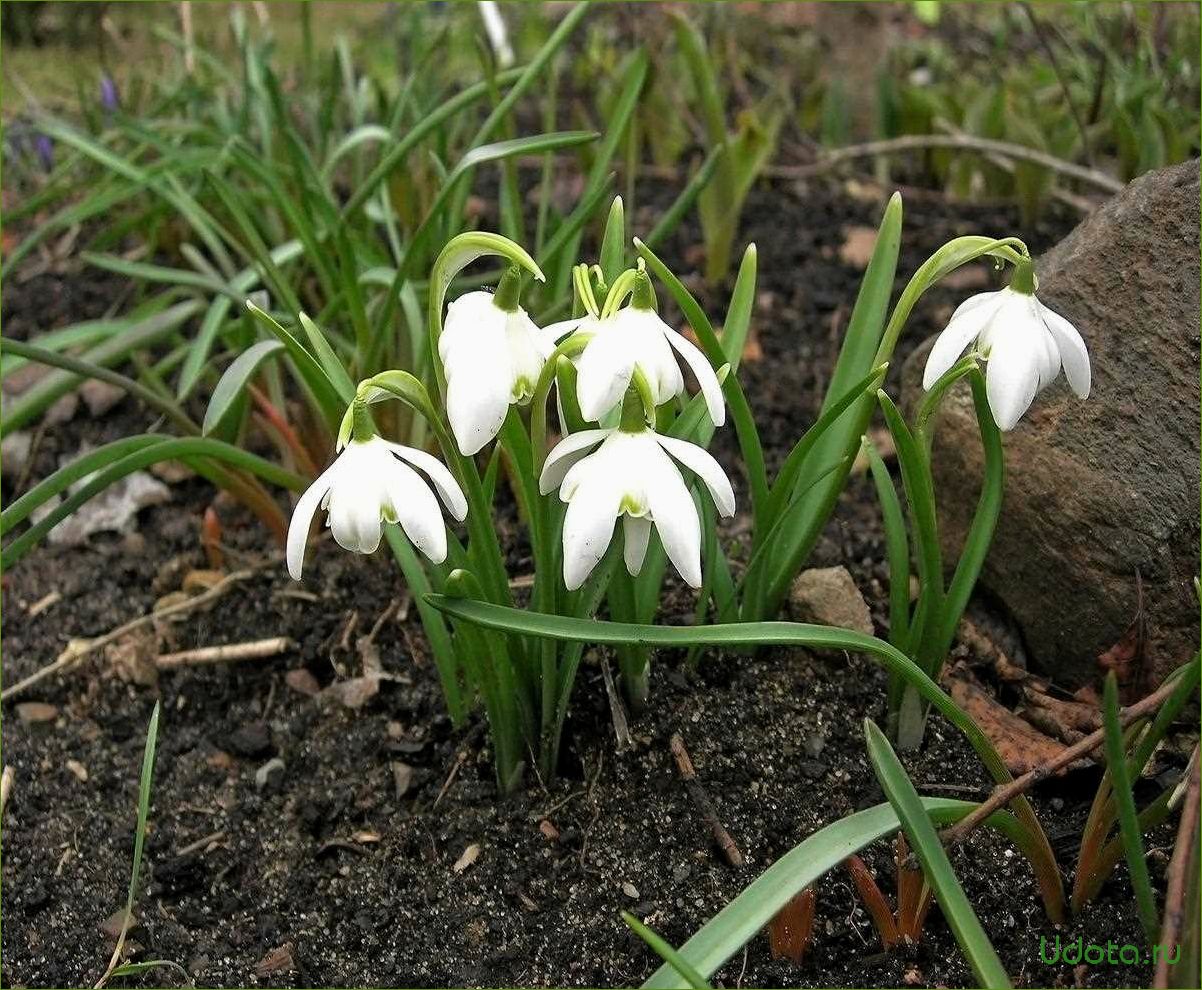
745 917
233 382
1124 799
897 546
69 473
168 449
936 867
335 370
857 357
666 952
613 243
215 317
313 379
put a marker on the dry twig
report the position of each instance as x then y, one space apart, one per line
701 799
253 650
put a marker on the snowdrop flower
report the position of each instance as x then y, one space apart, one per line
632 474
492 354
636 337
1023 342
373 482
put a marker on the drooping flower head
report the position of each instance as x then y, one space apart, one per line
373 482
636 337
631 472
1023 343
491 354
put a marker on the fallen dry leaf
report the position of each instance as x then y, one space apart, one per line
1021 746
278 960
470 855
355 692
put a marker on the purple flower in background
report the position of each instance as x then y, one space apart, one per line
44 147
108 94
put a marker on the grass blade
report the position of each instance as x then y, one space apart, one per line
924 840
234 381
666 952
1129 827
745 917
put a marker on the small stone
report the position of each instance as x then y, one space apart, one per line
80 771
100 396
34 712
270 775
681 873
402 777
14 452
828 596
250 740
470 855
630 890
111 926
303 682
815 743
550 832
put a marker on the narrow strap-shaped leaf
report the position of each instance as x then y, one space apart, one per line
953 903
136 460
143 334
984 521
69 473
234 380
1124 799
613 242
216 315
433 623
665 951
309 373
897 546
857 357
806 863
330 363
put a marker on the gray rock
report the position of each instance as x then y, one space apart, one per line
1096 490
829 597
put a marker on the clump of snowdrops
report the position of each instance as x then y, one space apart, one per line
625 441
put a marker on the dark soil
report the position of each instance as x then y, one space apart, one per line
360 883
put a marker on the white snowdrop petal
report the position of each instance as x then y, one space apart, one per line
1073 354
444 482
703 371
675 517
566 453
603 373
588 527
479 381
302 519
1011 379
703 464
414 506
636 534
969 321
